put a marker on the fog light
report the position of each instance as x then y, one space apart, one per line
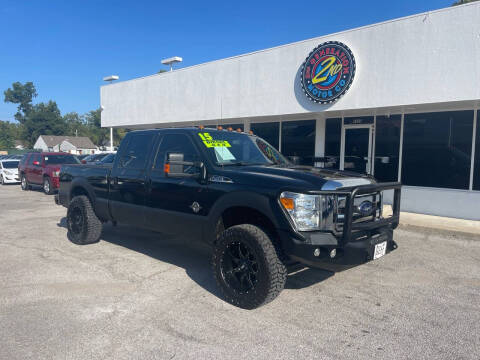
333 253
316 252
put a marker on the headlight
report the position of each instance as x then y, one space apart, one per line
308 212
7 172
56 173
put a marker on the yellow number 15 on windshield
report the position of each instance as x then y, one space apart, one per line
205 136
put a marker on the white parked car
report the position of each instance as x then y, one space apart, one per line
9 171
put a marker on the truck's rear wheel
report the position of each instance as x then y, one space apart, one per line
247 267
84 227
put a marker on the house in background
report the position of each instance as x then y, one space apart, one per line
19 145
72 144
77 145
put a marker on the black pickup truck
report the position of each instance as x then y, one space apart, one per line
237 193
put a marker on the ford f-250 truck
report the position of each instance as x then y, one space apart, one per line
237 193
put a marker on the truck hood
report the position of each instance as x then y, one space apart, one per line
301 177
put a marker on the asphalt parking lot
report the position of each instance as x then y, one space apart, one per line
140 295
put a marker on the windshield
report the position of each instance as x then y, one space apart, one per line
60 159
231 148
10 164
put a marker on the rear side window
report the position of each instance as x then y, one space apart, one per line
135 155
60 159
24 159
32 158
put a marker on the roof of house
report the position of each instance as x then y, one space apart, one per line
77 141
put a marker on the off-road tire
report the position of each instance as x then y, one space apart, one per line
24 183
50 190
272 273
89 226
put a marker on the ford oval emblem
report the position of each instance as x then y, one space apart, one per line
365 208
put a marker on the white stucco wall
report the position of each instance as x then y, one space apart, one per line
462 204
421 59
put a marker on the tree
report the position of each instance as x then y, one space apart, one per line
21 94
6 137
43 119
75 125
101 136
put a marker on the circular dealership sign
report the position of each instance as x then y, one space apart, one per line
328 72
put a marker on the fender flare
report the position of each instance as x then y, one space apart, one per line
260 203
81 182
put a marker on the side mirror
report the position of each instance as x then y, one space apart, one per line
36 163
176 167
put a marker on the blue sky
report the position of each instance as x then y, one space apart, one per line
65 47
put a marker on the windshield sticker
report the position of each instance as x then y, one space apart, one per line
223 154
267 151
209 142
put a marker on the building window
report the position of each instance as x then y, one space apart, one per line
437 149
270 132
387 147
298 141
333 133
476 166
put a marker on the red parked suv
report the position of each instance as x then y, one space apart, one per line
43 169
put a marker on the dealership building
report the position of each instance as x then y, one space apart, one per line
399 100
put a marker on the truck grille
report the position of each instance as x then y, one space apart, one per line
366 208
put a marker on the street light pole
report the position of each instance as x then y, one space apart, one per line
171 61
111 79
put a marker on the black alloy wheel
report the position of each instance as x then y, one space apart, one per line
76 221
247 266
239 267
83 225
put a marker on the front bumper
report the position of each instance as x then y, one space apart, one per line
11 179
355 245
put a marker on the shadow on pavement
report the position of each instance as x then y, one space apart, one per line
193 256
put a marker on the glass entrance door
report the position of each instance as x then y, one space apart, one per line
357 149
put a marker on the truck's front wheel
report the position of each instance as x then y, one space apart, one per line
247 267
84 227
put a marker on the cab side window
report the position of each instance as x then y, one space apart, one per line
135 155
32 158
176 143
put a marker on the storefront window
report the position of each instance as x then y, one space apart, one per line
476 167
270 132
437 149
333 133
298 141
387 147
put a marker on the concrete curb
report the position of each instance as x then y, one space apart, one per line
438 223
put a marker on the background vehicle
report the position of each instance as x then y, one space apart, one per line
81 157
43 169
238 194
9 171
92 159
107 160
